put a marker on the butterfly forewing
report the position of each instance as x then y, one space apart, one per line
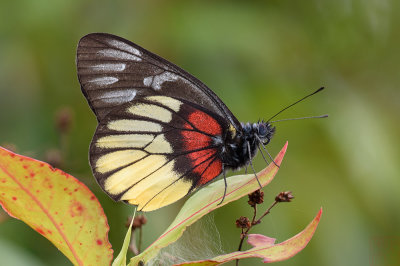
113 71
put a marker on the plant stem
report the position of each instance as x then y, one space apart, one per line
266 212
244 234
132 244
140 239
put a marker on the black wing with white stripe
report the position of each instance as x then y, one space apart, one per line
113 71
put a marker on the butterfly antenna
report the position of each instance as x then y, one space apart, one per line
251 164
299 118
269 155
302 99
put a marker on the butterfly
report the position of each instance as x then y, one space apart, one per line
161 132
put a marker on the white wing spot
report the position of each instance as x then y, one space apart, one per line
147 81
156 81
123 46
109 67
164 77
103 81
118 96
119 54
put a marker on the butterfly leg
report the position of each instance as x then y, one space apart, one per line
251 164
226 185
269 155
262 154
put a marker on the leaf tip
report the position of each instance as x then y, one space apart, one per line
280 155
318 217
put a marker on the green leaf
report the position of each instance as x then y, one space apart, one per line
206 200
264 247
56 205
120 260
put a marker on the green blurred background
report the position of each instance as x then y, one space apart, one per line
258 56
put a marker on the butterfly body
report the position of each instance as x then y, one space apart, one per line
242 147
161 132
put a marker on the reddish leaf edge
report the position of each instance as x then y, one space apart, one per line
234 255
53 169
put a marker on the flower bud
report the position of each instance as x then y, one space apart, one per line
284 197
243 222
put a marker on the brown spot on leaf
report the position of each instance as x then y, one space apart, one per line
14 198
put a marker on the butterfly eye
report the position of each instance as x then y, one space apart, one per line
262 130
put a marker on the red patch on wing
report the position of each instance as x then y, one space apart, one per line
212 171
199 139
205 123
200 156
200 159
194 140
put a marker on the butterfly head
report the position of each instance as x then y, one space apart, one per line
258 132
264 130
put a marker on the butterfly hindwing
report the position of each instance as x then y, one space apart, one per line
113 71
156 149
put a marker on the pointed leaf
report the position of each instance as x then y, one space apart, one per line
264 248
120 260
56 205
206 200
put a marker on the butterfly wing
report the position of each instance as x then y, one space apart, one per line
153 144
155 150
113 71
